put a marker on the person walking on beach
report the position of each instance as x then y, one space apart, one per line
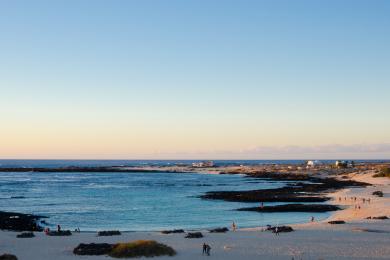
276 231
312 218
234 227
208 248
204 249
58 228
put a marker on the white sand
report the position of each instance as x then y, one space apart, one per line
309 241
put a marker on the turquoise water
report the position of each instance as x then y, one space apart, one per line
135 201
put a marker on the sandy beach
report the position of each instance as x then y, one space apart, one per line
359 238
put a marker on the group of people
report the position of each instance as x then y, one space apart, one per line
364 200
206 249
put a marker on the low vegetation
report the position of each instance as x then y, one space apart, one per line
384 172
139 248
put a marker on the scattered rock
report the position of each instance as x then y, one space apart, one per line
336 222
172 231
25 235
59 233
194 235
109 233
93 249
19 222
310 191
380 217
8 257
293 208
280 229
378 193
219 230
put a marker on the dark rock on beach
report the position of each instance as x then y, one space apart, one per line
25 235
280 229
378 193
336 222
61 233
19 222
109 233
8 257
172 231
293 208
219 230
194 235
93 249
380 217
310 191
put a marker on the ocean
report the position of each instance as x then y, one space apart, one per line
136 201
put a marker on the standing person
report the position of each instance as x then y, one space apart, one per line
58 228
262 205
208 249
312 218
276 231
204 249
234 226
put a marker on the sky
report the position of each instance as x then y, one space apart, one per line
205 79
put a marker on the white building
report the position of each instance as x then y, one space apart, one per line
313 164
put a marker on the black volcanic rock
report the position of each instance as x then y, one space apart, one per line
25 235
219 230
109 233
172 231
19 222
8 257
294 192
62 233
280 229
194 235
93 249
380 217
333 222
293 208
378 193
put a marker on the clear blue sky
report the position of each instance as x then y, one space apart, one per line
204 79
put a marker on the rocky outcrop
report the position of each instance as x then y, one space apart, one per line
379 217
194 235
93 249
219 230
8 257
25 235
280 229
61 233
172 231
378 193
293 208
19 222
310 191
336 222
109 233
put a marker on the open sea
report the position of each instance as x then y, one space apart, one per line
134 201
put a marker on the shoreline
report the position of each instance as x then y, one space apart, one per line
358 238
322 195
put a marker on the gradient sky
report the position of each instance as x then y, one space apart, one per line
195 79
